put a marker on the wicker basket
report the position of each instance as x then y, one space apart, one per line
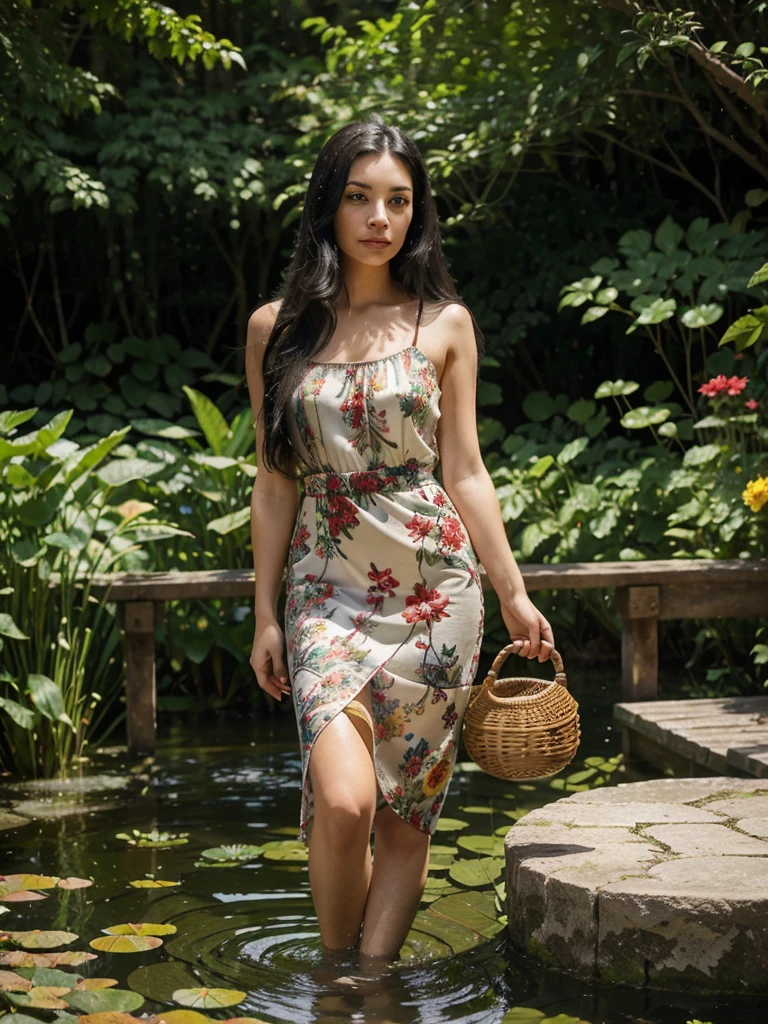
521 727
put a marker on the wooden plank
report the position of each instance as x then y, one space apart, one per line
640 659
637 602
723 734
709 600
139 652
169 586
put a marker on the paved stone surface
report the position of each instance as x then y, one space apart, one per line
656 884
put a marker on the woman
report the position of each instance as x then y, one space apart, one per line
359 376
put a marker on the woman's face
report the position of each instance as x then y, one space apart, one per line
377 203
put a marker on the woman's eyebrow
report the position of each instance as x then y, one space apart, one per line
395 188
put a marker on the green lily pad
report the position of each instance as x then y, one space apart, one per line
105 1000
12 982
290 850
27 1018
479 809
238 853
523 1015
152 883
154 839
284 830
451 824
125 943
74 883
489 845
38 939
141 929
244 1020
208 997
475 911
69 958
437 884
439 863
49 977
477 873
442 850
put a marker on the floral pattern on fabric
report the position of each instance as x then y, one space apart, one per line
383 584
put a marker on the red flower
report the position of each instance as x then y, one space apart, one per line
439 500
717 385
384 580
419 526
364 481
341 513
451 533
426 605
413 766
751 403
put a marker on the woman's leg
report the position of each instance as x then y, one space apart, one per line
344 788
400 862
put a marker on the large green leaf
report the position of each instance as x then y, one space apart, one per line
212 423
47 698
104 1000
23 717
9 628
477 873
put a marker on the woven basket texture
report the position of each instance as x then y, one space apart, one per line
519 727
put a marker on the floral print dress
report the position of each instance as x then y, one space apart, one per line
383 584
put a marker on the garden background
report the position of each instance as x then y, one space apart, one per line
601 173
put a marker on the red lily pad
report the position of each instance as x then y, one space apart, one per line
21 896
74 883
110 1018
19 958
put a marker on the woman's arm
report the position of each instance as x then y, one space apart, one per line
274 502
470 488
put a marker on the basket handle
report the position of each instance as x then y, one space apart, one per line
514 648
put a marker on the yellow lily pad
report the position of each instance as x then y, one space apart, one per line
180 1017
19 958
110 1018
152 883
89 984
13 883
125 943
141 929
39 939
46 997
207 997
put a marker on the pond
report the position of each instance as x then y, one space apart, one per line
249 926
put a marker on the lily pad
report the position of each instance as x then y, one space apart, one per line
154 839
141 929
482 844
42 998
38 939
180 1017
12 982
476 873
451 824
243 1020
49 977
286 850
474 911
442 850
523 1015
104 1000
152 883
208 997
14 883
21 896
74 883
125 943
237 853
109 1018
69 958
91 984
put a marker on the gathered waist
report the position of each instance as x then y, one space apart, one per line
375 480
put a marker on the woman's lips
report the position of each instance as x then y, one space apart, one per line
375 243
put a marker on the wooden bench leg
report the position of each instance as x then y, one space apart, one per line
639 608
139 624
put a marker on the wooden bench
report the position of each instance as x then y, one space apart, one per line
645 593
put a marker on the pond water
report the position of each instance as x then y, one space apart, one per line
251 926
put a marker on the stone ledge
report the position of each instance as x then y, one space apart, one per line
661 884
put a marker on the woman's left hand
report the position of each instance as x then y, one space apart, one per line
523 619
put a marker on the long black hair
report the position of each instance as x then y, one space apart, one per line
313 280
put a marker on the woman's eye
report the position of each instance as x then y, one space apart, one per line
355 195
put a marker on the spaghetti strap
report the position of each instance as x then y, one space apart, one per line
418 322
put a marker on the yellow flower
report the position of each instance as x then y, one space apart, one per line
755 493
437 778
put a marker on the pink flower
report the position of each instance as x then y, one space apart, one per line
425 605
752 403
717 385
384 580
451 533
412 766
419 526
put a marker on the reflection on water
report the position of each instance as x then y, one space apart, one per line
252 926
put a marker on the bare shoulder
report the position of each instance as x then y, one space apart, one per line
453 324
261 321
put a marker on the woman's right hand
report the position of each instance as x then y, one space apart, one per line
267 659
